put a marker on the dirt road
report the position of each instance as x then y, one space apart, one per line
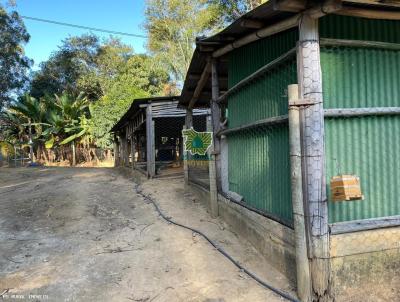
86 235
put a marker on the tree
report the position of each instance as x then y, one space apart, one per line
61 73
13 63
234 9
109 109
173 26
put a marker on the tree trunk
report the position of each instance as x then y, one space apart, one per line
73 154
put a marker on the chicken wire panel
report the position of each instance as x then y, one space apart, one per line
259 169
264 97
168 141
247 59
356 77
366 146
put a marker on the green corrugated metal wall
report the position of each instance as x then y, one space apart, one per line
259 170
259 158
247 59
369 146
350 28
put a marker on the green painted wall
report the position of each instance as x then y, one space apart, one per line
369 146
259 158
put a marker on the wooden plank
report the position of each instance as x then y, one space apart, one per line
364 224
314 185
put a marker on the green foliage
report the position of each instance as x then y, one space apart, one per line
173 26
109 109
64 68
234 9
6 149
13 62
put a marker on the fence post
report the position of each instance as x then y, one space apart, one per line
312 123
212 175
150 152
215 118
133 150
116 151
302 264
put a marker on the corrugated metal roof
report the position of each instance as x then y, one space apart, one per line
135 107
161 107
265 14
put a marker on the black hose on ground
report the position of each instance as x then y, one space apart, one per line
236 263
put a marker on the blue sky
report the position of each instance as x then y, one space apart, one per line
117 15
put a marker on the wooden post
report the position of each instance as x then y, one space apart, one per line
116 151
123 150
133 150
302 264
189 118
314 184
150 152
212 175
188 125
216 119
126 152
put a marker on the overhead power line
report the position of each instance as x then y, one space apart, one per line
85 27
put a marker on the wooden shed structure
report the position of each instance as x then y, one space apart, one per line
148 137
277 147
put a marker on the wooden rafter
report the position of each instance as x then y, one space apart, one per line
200 84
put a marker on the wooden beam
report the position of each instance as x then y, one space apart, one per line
264 122
327 7
200 84
379 3
368 13
360 43
364 225
324 8
309 75
290 5
248 23
262 33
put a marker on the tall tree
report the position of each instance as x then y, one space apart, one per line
13 62
62 71
173 26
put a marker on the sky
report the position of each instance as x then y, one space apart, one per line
116 15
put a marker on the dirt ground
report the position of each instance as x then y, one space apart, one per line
85 234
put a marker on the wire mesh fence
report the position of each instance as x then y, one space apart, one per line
258 143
